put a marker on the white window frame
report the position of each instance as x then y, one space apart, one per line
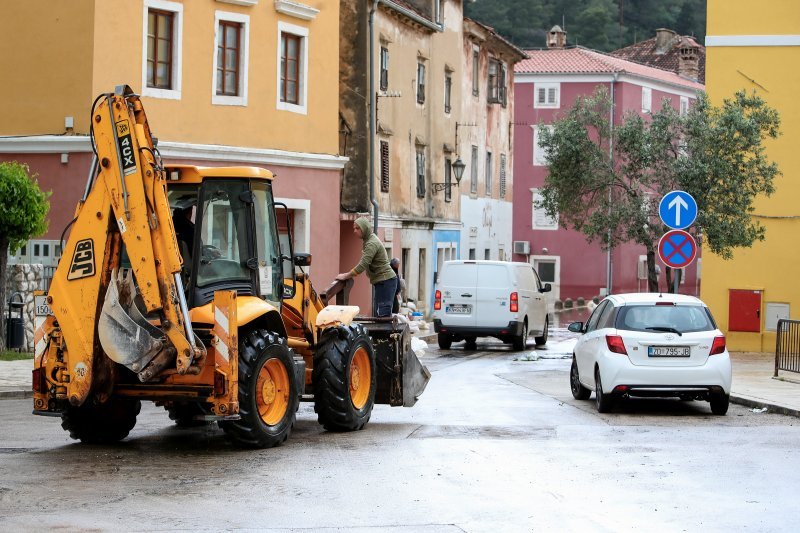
177 49
555 259
302 90
647 100
546 104
553 226
684 106
539 155
244 58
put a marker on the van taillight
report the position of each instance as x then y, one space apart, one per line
718 346
615 344
514 302
437 303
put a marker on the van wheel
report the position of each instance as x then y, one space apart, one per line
470 343
445 340
541 341
521 340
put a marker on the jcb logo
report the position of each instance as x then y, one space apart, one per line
82 260
125 145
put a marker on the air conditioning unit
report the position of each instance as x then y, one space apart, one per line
641 272
522 247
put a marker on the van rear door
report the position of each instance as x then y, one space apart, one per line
457 284
494 290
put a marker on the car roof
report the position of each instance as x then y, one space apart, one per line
653 297
486 262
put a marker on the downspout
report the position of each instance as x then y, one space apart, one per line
610 258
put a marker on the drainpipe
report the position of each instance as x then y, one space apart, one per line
373 95
609 257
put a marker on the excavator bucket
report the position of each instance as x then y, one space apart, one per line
401 377
125 334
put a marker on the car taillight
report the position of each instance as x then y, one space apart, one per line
718 346
514 302
615 344
437 304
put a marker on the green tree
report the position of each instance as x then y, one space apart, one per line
23 215
606 181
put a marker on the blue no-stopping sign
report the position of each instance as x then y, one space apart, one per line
678 209
677 249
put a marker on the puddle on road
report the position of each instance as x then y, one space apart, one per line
483 432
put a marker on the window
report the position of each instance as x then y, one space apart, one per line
292 73
547 95
420 172
476 70
473 171
647 99
502 175
493 88
448 85
384 166
487 254
502 85
384 68
159 48
420 83
684 105
488 175
540 220
161 54
472 253
228 49
448 178
231 59
539 153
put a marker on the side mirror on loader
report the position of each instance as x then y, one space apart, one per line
302 259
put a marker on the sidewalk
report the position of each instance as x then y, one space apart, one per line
753 384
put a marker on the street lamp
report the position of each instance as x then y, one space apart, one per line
458 171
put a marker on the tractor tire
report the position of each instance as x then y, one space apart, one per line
344 378
185 414
101 423
268 395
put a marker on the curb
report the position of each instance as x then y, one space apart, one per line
15 394
749 401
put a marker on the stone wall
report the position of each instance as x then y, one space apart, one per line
24 279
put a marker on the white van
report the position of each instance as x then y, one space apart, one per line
490 299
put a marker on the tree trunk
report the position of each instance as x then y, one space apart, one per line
3 304
652 277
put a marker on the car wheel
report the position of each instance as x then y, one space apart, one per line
579 392
603 401
445 340
521 341
719 404
541 341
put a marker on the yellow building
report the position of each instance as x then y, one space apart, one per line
223 82
758 50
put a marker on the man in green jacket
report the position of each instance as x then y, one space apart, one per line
376 264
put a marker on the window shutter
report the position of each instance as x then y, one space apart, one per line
502 175
384 166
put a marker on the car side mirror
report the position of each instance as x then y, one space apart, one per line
302 259
547 288
576 327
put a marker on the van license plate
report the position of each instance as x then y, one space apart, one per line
668 351
458 309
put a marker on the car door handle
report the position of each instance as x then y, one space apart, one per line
466 295
526 297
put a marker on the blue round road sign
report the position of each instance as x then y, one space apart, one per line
677 248
677 209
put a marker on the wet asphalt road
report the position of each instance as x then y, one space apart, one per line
496 443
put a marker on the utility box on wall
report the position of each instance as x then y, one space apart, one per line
744 310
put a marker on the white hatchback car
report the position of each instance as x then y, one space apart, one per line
652 345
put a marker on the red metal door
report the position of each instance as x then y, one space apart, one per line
744 310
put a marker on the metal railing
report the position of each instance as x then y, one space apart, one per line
787 346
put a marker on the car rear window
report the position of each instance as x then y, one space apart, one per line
682 318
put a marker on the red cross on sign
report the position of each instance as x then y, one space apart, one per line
677 249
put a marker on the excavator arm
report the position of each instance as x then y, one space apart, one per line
98 308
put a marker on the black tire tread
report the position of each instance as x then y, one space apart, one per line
101 423
445 341
541 341
581 392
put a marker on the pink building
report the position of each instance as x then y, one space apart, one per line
546 86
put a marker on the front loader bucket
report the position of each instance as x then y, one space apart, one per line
401 378
125 335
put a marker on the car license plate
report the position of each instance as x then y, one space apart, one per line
668 351
458 309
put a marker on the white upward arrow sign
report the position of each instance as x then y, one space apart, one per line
678 203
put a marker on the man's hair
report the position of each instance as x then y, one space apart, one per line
394 262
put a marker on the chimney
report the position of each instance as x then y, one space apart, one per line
689 59
664 39
556 38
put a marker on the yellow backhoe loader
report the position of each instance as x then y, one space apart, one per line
173 288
